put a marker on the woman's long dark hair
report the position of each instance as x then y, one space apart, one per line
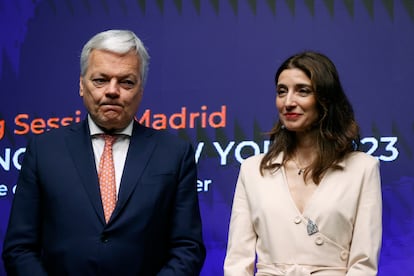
338 132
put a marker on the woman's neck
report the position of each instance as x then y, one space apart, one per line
305 151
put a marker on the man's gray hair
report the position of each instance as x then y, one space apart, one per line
116 41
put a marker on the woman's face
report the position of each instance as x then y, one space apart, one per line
296 101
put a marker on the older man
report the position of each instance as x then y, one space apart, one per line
107 196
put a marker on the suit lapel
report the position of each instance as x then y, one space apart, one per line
80 148
139 153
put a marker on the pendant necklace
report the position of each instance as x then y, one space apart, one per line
300 169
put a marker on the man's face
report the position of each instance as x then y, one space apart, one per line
112 88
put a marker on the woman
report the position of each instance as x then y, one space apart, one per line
312 204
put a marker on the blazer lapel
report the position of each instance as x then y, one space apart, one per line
140 150
80 148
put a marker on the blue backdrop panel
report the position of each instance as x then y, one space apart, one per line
215 61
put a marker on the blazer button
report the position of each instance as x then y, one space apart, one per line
298 220
344 255
319 240
104 239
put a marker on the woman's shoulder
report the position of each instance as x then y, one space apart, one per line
359 158
256 160
252 160
359 155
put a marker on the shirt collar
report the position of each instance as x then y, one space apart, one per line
96 130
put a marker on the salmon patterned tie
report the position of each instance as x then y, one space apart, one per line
106 176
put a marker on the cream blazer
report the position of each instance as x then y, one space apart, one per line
268 232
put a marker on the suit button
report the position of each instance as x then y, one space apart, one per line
298 220
344 255
319 240
104 239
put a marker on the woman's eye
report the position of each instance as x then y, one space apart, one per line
305 91
281 92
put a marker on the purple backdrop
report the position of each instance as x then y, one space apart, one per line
217 59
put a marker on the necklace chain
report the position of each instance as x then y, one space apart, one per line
300 168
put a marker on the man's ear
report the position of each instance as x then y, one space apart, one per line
81 86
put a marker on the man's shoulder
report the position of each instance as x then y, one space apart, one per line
55 134
164 136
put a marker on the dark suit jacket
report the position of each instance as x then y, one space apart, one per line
57 224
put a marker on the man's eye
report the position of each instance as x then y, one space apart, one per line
99 81
128 83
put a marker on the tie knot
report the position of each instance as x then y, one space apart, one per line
109 139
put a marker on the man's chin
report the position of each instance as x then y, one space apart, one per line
111 124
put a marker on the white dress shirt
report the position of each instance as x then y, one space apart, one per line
119 149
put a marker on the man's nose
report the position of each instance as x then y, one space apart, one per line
113 88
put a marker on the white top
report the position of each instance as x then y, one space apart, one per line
346 208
